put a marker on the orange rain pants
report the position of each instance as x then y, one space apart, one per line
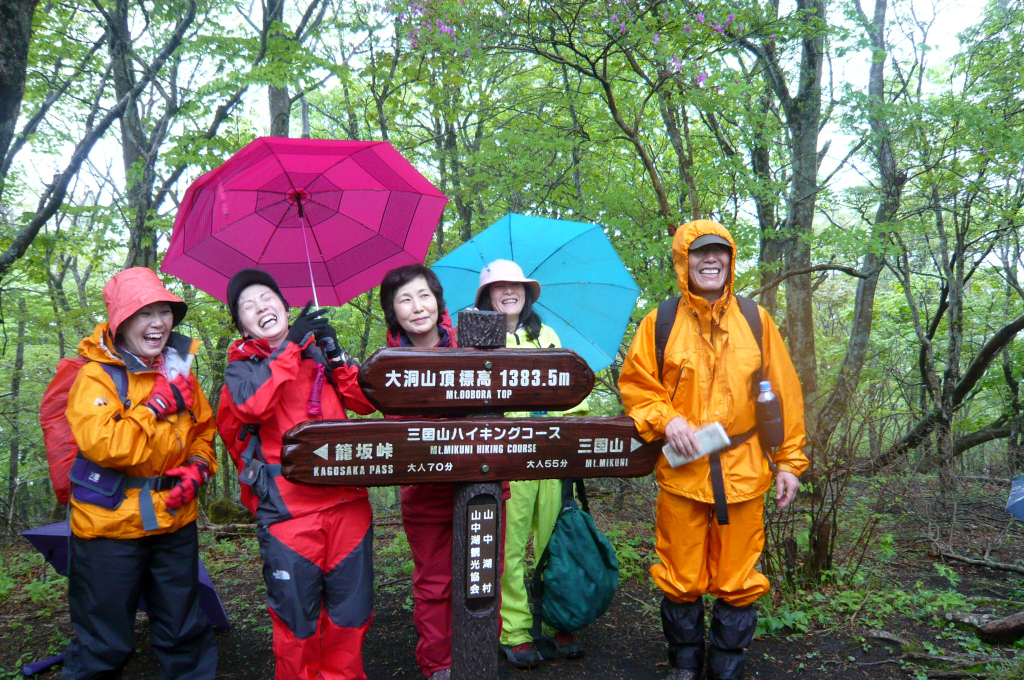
699 556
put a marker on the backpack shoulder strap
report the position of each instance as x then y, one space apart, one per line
119 374
753 317
581 494
570 501
662 329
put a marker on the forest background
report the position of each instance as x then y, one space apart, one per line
872 178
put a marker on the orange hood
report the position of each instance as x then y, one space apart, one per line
687 234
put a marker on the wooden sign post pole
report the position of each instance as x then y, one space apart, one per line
475 615
475 621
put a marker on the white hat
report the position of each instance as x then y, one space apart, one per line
505 270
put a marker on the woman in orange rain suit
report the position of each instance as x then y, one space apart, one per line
710 363
133 507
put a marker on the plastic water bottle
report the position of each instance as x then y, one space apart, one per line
769 417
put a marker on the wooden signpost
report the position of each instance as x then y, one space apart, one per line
383 453
477 452
405 380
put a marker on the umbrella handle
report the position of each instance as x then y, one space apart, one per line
40 666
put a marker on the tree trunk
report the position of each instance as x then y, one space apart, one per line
766 204
1014 445
135 156
892 181
803 118
15 38
803 121
280 105
15 448
304 108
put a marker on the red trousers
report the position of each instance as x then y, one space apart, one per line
427 519
319 574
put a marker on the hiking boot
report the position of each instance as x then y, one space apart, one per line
562 646
443 674
523 656
683 674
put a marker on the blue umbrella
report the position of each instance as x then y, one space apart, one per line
1015 503
587 296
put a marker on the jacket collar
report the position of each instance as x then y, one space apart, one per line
444 325
100 347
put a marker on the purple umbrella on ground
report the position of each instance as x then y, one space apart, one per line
326 218
52 541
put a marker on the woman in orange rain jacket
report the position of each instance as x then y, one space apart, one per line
710 363
133 505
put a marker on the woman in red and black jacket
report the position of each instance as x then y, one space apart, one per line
316 541
413 304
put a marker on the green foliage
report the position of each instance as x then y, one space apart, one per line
393 567
634 551
395 560
26 580
870 603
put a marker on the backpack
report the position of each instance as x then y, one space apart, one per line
60 443
578 573
667 318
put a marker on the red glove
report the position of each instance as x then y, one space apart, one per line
192 477
168 398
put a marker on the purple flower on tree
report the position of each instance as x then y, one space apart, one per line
700 17
656 39
729 19
676 64
687 29
702 78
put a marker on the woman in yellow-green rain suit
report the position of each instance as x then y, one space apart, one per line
710 363
535 504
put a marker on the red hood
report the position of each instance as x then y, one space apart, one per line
130 290
444 322
247 348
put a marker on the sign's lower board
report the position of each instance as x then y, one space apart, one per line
387 452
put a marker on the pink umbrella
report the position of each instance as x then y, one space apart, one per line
326 218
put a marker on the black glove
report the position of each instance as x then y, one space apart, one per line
308 322
327 339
